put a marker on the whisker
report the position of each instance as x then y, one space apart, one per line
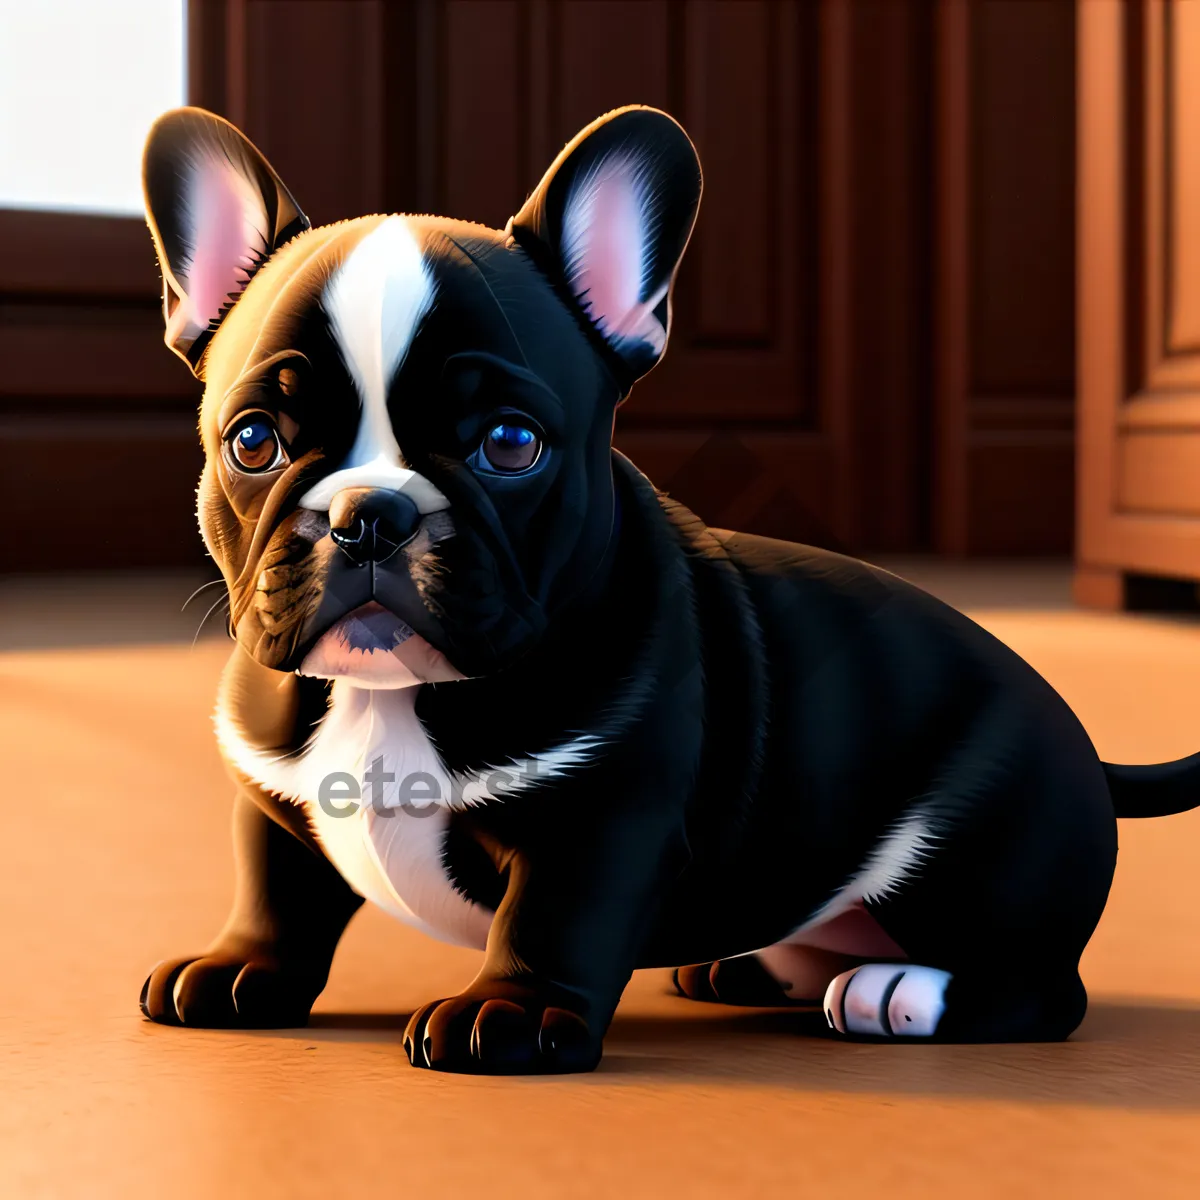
203 587
204 619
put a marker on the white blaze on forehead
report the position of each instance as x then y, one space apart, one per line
376 301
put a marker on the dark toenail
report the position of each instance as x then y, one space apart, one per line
907 1017
142 997
408 1047
427 1048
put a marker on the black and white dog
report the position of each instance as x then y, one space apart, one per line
488 678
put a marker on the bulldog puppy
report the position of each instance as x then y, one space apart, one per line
485 676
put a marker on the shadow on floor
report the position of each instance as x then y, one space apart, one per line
1127 1054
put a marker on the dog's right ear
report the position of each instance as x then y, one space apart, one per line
217 211
610 221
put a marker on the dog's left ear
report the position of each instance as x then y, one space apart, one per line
217 211
611 220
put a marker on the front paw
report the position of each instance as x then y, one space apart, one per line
501 1027
228 991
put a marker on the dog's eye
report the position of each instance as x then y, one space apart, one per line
511 447
255 445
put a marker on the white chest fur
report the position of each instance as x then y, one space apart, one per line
389 843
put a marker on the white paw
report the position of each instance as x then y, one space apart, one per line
887 1000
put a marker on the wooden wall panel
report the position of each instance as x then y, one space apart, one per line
1004 310
97 425
730 51
872 344
113 489
1022 200
875 187
483 168
604 54
305 81
739 347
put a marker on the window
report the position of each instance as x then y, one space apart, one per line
80 84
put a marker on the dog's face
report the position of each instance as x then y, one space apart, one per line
407 420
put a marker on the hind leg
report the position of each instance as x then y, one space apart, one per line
776 977
891 1000
795 971
1019 853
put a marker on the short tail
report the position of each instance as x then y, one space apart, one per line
1159 790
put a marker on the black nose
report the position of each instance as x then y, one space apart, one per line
371 524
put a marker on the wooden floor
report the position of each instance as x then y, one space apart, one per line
116 822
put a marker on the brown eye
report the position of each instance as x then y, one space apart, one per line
255 445
288 380
510 448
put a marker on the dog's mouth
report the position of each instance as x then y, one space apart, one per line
372 647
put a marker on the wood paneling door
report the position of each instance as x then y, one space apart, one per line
1139 296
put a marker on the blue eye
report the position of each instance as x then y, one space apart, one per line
255 445
510 448
512 436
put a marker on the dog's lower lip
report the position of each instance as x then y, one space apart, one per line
372 647
370 628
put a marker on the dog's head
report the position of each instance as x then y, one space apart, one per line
407 420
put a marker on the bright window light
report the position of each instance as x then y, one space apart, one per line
80 83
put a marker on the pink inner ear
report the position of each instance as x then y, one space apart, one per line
605 244
226 223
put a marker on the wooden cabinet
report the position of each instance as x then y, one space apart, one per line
1139 297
